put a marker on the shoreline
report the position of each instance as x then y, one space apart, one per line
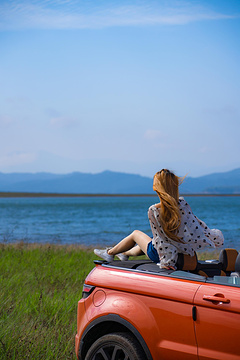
45 246
62 195
22 245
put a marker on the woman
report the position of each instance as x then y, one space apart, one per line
174 227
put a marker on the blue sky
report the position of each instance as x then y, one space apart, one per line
131 86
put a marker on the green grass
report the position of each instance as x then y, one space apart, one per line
39 290
40 286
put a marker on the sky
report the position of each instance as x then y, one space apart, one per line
128 86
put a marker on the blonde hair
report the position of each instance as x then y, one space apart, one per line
166 184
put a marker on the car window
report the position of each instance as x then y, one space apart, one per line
188 275
225 280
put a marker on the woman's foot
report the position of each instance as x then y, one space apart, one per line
122 257
103 254
106 256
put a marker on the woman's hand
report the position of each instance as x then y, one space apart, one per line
168 267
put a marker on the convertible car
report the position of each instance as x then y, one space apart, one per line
134 310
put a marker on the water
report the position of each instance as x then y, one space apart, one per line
103 221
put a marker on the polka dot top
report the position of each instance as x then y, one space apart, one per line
194 233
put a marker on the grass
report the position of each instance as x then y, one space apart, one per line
40 286
39 290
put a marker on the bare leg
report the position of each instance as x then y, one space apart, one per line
136 237
135 251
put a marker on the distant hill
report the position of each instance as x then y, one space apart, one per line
108 182
217 183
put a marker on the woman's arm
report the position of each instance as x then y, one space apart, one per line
154 219
200 231
166 251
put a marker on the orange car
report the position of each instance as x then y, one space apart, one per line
133 310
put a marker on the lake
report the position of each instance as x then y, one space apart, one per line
103 221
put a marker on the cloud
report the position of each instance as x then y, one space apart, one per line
157 139
227 110
64 14
52 112
63 122
152 134
5 121
16 158
204 150
15 100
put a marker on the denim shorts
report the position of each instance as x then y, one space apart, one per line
152 253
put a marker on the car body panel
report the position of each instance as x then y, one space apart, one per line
143 284
82 323
161 308
156 308
218 323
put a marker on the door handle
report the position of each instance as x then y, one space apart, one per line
217 298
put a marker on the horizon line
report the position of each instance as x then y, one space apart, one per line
106 170
23 194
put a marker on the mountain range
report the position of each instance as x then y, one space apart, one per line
109 182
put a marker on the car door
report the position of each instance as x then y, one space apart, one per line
171 309
217 324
